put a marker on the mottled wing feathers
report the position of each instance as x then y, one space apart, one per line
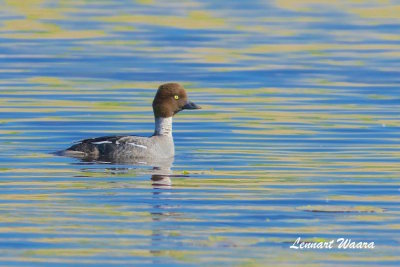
94 147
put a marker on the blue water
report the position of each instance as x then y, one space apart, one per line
298 135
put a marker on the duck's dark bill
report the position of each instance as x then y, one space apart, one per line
191 105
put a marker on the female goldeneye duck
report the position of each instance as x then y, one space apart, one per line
169 100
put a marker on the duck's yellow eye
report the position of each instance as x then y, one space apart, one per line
176 97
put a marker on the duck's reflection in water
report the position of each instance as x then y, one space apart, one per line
161 172
161 181
163 210
164 213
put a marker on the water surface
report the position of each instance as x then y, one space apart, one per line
298 135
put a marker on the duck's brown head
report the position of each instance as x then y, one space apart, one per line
170 99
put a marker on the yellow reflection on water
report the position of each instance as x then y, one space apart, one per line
193 20
389 12
35 23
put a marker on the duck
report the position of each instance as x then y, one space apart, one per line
170 99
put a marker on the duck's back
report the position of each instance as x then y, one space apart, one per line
123 148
